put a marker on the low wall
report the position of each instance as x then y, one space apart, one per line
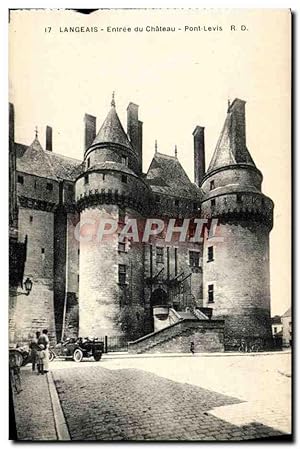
207 335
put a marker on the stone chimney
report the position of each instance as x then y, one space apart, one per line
90 130
49 138
134 131
11 123
238 126
199 154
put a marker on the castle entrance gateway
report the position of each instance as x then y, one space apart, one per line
159 308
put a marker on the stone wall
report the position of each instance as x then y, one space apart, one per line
34 312
239 273
207 337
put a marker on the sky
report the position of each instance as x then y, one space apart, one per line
179 79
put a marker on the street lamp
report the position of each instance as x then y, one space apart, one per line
28 286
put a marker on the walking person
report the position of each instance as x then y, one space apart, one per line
192 348
44 340
34 349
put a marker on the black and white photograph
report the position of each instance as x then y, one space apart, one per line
150 225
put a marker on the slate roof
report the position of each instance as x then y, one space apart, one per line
36 161
288 312
224 153
112 131
167 176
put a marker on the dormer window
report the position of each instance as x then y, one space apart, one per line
88 162
212 185
124 178
86 179
49 186
20 179
213 203
124 160
239 198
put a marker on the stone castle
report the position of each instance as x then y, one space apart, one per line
158 295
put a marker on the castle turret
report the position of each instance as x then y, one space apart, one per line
236 268
111 272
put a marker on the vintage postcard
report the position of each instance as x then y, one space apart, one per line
150 224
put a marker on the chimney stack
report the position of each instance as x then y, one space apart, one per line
11 123
135 131
238 127
90 130
48 138
199 154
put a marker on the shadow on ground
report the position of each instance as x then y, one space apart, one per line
131 404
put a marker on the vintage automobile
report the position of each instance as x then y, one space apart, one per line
77 348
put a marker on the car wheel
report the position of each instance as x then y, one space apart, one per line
77 355
98 356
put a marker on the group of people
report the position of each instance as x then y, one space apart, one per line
39 346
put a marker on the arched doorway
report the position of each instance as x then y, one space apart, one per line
158 298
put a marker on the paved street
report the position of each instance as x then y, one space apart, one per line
235 397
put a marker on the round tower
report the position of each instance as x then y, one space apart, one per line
109 191
236 266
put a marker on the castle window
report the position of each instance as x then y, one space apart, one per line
122 214
43 250
88 162
121 247
86 179
275 330
194 258
122 274
212 185
211 293
103 177
49 186
20 179
239 198
159 254
78 251
213 203
31 219
210 254
35 184
124 178
124 160
176 202
78 278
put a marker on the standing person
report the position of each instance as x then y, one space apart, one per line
44 340
192 348
34 349
41 359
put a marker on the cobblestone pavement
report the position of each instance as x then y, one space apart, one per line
124 400
33 409
232 397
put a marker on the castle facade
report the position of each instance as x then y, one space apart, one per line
135 288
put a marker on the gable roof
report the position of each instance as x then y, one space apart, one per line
112 131
34 161
46 164
230 149
167 176
288 312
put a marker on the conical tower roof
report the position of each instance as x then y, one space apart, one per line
231 147
112 130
